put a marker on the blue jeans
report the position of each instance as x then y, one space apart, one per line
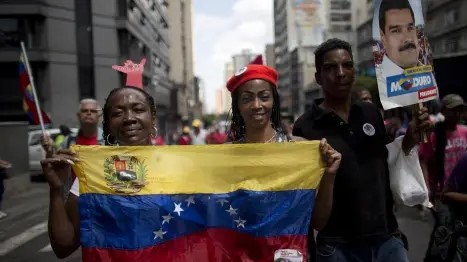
391 250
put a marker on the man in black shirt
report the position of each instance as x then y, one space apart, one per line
362 226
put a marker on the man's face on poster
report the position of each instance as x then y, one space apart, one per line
400 38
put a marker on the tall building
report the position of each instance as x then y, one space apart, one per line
226 97
71 47
181 57
299 27
219 108
446 28
340 24
270 56
364 44
283 31
241 60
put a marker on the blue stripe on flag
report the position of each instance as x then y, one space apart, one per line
129 222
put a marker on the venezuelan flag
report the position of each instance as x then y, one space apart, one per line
29 105
248 202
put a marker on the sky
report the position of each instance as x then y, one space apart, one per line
222 28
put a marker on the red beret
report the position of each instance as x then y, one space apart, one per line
251 72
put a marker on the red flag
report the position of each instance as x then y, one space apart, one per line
29 105
257 61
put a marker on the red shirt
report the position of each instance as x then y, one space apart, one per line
184 140
216 138
86 141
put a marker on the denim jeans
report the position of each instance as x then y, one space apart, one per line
391 250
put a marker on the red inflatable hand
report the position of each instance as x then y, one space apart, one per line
133 71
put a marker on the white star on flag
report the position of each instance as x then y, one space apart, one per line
190 200
167 219
222 202
159 234
240 222
232 211
178 208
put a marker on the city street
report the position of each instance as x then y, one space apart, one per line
23 234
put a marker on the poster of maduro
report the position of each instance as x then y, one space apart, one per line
402 54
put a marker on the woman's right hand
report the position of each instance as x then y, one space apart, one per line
57 169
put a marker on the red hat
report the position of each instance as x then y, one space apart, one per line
251 72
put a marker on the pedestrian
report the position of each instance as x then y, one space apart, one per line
198 134
215 136
128 120
89 132
446 145
256 118
64 133
362 225
4 166
361 94
185 138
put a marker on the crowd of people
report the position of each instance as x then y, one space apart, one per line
354 211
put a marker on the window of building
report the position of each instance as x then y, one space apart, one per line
452 44
336 17
14 30
341 28
450 17
340 5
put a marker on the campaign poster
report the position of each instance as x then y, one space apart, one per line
402 54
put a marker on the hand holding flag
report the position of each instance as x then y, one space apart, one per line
133 71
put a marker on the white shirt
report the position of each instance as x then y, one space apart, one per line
75 187
199 139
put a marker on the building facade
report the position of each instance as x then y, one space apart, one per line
270 56
181 58
239 61
71 47
446 28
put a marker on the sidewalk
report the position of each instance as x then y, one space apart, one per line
16 185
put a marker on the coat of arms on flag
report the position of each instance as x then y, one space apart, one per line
245 202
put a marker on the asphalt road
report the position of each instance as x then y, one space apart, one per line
23 234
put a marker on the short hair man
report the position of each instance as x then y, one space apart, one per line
89 132
361 226
398 33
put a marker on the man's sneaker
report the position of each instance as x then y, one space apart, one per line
2 214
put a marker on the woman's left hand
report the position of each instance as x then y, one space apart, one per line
330 157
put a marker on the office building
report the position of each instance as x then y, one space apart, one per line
181 58
71 47
446 29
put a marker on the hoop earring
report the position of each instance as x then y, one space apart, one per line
156 133
108 142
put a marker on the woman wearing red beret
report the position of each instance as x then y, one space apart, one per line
256 118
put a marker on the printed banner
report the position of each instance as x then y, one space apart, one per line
402 54
309 22
248 202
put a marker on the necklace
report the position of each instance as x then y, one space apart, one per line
270 139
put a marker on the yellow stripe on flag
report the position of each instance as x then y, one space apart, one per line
198 169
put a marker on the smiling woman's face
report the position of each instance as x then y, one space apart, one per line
130 120
255 103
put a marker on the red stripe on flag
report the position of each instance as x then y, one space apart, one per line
213 244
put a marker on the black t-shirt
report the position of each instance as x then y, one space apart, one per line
363 205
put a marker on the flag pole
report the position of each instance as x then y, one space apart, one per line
31 80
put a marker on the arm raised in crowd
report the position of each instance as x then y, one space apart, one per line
63 217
